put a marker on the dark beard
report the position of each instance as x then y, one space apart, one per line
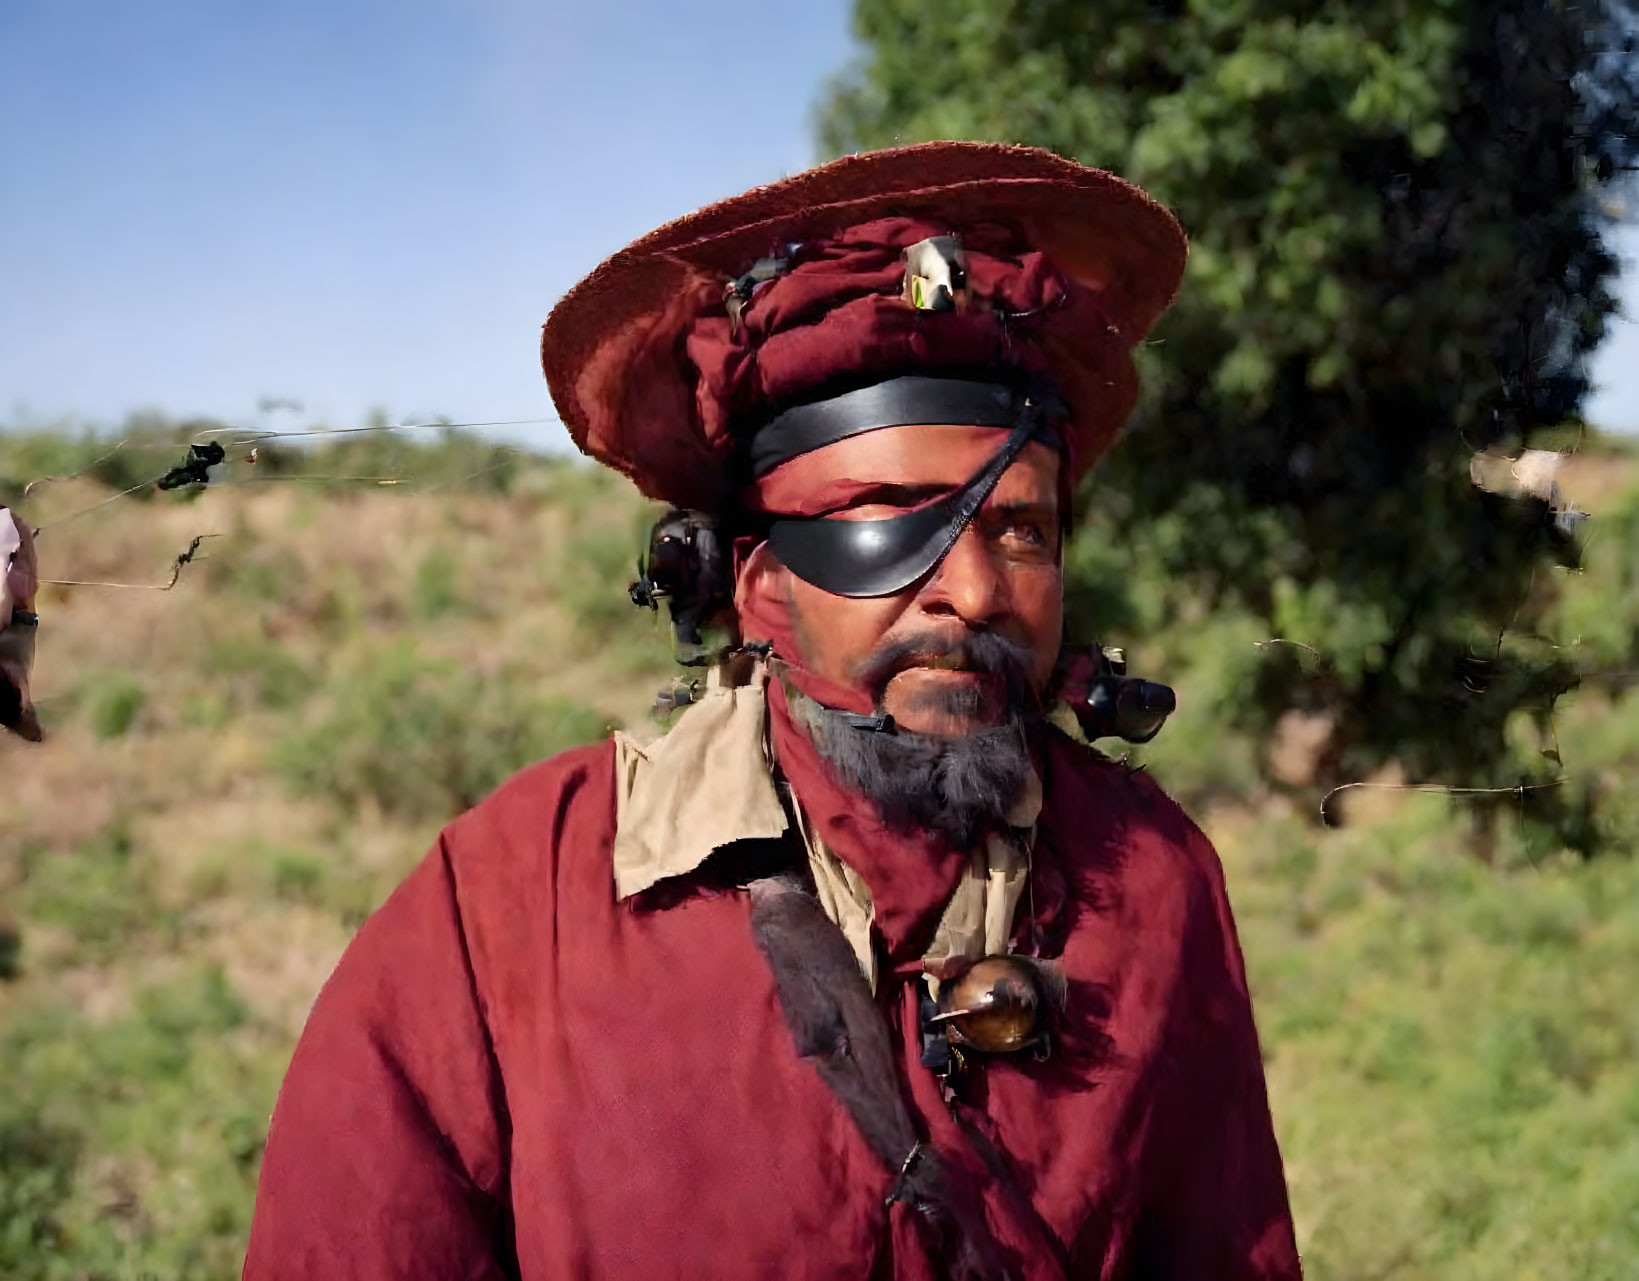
957 787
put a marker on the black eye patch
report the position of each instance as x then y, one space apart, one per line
880 557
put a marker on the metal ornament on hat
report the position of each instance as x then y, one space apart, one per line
936 274
737 292
935 277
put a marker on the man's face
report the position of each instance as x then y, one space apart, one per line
1003 576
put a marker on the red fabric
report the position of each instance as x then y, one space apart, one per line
911 876
838 312
512 1075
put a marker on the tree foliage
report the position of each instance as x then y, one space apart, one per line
1395 215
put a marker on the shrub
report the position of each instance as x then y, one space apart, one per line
37 1163
97 893
116 701
128 1146
297 876
423 738
608 534
437 587
259 671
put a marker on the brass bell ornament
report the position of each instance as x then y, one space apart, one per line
998 1006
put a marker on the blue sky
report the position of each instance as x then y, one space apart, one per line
374 203
356 203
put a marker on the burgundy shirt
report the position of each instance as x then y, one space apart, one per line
511 1074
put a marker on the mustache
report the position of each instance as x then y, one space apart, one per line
986 652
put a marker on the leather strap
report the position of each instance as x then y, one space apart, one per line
897 402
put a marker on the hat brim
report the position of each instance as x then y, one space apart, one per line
611 347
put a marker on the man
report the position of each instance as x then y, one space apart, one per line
864 969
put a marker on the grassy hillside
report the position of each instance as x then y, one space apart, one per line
241 768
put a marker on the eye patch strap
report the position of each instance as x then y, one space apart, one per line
896 402
863 558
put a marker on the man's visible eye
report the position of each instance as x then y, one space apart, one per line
1023 531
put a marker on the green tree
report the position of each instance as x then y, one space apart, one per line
1394 213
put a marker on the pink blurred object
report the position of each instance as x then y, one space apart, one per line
17 626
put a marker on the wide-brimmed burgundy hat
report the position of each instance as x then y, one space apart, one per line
668 357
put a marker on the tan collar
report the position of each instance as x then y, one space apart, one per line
706 783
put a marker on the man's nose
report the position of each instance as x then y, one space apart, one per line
968 583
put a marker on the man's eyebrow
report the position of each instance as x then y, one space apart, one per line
1025 507
894 494
899 494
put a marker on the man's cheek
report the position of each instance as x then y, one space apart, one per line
837 633
1039 603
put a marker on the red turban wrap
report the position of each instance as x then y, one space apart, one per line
1067 267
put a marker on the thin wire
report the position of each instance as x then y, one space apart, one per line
86 511
252 438
1281 640
314 432
1525 596
149 446
1519 789
510 452
187 557
46 480
270 480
